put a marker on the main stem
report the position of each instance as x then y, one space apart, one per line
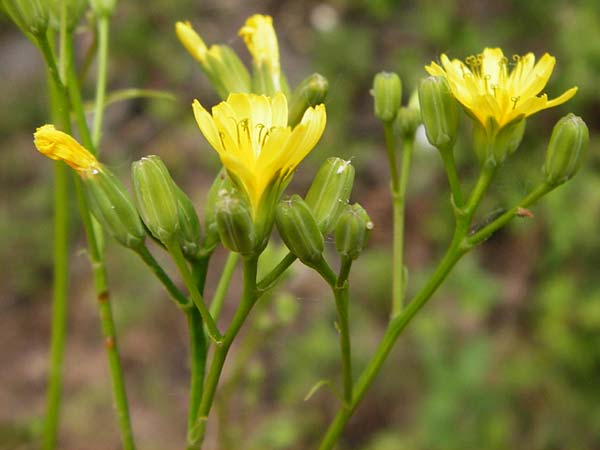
249 295
59 306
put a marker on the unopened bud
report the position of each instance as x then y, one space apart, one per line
111 205
190 233
387 92
74 13
103 8
299 230
493 144
330 191
566 149
312 91
211 233
155 197
439 112
234 222
352 231
31 16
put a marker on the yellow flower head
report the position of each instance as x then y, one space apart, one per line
251 135
261 40
191 41
488 90
62 147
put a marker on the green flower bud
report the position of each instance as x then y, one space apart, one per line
352 231
156 197
226 71
111 206
439 112
566 149
387 91
190 233
211 232
103 8
407 121
330 191
31 16
75 10
312 91
234 222
493 144
299 230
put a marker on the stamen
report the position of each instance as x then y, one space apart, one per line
515 100
222 138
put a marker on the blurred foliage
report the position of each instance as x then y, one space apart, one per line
506 356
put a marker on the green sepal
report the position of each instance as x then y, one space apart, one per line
330 191
352 231
299 230
112 207
156 198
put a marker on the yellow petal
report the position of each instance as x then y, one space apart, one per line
207 126
62 147
191 40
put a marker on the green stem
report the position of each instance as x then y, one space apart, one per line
273 276
395 328
399 202
491 228
176 295
339 287
103 34
98 266
249 296
106 322
60 113
59 306
198 350
219 298
453 179
190 283
398 323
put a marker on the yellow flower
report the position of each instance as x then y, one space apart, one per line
191 41
261 40
251 135
489 90
60 146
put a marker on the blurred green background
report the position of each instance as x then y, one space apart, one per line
506 355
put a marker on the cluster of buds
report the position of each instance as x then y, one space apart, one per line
304 223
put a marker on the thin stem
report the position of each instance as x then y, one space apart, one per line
339 287
198 350
249 296
269 280
453 179
399 203
76 100
97 263
219 298
103 34
176 295
488 230
395 328
106 322
190 283
397 325
59 306
59 107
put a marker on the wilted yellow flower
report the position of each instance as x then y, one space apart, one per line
251 135
489 90
261 40
62 147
